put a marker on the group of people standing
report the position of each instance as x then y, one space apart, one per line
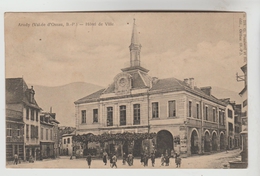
129 159
145 158
112 159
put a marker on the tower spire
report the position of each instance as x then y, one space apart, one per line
135 48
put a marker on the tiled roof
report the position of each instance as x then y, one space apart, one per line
110 89
137 81
70 134
90 98
147 79
173 84
17 92
160 85
168 83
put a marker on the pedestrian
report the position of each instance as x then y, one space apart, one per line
172 153
110 159
142 159
153 159
31 159
114 160
167 160
177 160
124 158
15 159
162 160
130 159
145 160
89 160
105 158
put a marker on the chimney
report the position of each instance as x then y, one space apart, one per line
206 90
186 81
192 83
50 109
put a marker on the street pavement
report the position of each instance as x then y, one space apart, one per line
216 160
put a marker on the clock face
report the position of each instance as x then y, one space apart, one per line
122 82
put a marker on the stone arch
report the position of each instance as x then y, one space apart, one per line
164 141
206 131
214 141
206 141
222 140
194 141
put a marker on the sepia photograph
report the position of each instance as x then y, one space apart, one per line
126 90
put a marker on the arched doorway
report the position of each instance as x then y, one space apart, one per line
164 142
222 142
194 142
214 142
207 142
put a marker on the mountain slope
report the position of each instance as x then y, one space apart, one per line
62 98
220 93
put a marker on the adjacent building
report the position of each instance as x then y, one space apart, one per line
186 118
63 130
49 142
22 120
67 147
230 123
14 134
244 115
238 126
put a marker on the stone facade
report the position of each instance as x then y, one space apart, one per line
48 135
20 99
187 119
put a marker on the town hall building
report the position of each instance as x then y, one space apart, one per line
186 118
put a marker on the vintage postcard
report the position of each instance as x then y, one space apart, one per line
126 90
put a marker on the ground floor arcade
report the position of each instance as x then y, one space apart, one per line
180 139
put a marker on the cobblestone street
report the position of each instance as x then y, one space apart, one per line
217 160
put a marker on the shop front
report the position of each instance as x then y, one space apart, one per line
47 149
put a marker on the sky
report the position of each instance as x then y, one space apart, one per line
204 46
